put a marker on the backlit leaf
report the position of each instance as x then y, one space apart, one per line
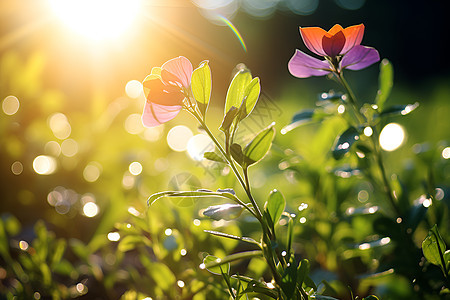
275 205
259 146
433 247
385 82
251 95
201 85
236 90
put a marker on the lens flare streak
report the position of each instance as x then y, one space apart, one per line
235 31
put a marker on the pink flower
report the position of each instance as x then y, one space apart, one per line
340 47
165 89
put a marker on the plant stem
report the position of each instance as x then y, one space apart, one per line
244 184
378 155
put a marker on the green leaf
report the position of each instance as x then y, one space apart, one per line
162 275
214 157
304 117
260 288
130 242
224 211
234 257
399 109
233 237
215 265
251 95
198 194
201 85
371 297
322 297
289 279
236 90
302 271
228 119
385 83
236 153
259 146
275 205
433 247
344 142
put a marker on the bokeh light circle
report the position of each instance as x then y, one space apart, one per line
44 165
178 138
198 145
391 137
133 89
10 105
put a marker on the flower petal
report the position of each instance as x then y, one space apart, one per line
353 37
333 44
155 114
181 68
312 37
335 29
302 65
359 57
157 92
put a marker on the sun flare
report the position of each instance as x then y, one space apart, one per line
97 19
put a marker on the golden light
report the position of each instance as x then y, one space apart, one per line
97 19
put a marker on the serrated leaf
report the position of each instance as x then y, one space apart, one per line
214 157
223 211
385 83
433 247
275 205
399 109
236 90
251 95
344 142
201 85
259 146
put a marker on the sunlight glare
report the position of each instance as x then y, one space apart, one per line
97 19
391 137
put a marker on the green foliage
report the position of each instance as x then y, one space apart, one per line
333 227
385 83
201 86
434 250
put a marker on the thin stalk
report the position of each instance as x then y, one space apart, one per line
257 212
244 182
378 155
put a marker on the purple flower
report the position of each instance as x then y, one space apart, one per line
340 47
